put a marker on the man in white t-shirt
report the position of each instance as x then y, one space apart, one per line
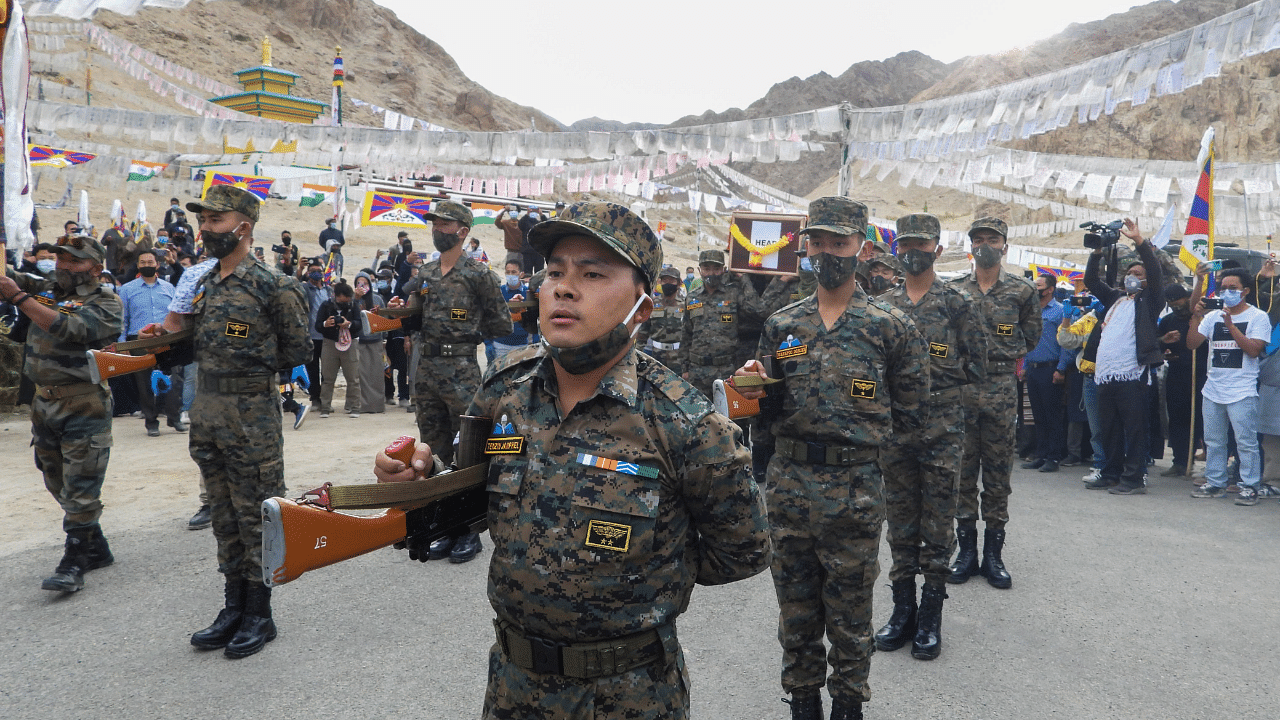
1231 392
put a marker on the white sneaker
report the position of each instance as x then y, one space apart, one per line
1092 476
355 414
186 420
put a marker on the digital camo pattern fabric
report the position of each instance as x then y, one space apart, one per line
660 336
714 314
605 520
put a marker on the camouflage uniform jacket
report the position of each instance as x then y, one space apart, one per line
950 323
781 292
712 319
582 552
853 385
1012 313
252 322
464 307
665 325
89 318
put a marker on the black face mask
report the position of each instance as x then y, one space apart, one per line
669 288
147 271
286 240
832 271
444 242
879 284
220 245
712 282
916 261
986 256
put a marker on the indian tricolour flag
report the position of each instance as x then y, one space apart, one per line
313 195
484 213
142 170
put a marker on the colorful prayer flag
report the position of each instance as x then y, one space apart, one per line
1197 240
44 156
382 208
142 170
314 195
484 213
259 186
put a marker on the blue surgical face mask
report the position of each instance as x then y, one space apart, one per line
1231 298
513 280
383 284
46 266
806 264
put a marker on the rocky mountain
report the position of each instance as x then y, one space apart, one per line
595 124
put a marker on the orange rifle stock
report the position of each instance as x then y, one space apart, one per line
142 355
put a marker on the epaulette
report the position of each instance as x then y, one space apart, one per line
692 403
523 357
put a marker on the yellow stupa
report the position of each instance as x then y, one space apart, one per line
268 93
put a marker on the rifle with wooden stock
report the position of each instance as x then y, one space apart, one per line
309 533
164 351
385 319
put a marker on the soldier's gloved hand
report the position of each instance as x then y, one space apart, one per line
301 378
160 382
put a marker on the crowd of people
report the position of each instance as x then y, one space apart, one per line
887 396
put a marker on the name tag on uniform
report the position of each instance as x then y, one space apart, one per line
69 306
726 317
608 536
238 329
508 445
787 353
939 350
46 301
863 389
694 305
424 291
457 314
1002 329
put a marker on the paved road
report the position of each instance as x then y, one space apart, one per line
1122 607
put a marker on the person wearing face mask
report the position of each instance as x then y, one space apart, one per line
879 275
1011 310
691 280
514 290
626 472
339 323
855 375
287 261
1237 335
661 334
1179 383
70 414
460 305
146 300
249 323
712 316
921 470
396 383
1046 376
171 213
317 293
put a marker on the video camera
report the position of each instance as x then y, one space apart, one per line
1081 300
1099 236
1212 303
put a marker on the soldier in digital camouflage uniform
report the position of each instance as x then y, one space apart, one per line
461 305
70 414
712 318
1011 309
661 334
250 323
629 490
855 374
879 275
922 470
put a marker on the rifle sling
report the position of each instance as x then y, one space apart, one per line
406 495
159 341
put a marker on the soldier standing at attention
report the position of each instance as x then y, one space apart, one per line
1011 310
461 305
922 470
70 416
712 315
660 336
629 491
855 373
250 323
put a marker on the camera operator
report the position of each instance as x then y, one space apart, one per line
1127 354
1179 383
286 254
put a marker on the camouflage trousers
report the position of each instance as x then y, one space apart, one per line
825 522
442 390
990 420
237 442
921 473
659 691
702 376
72 439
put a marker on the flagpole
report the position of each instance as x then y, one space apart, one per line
1191 431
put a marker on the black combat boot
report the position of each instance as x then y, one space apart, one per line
68 577
928 641
224 627
99 552
902 623
966 564
256 627
805 705
845 709
992 564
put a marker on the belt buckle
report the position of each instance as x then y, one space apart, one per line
815 453
546 656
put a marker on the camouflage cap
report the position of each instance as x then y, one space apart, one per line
228 198
919 225
882 246
888 261
614 225
990 223
81 245
839 215
711 256
670 272
450 210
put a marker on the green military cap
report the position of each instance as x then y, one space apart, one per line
919 225
989 223
82 246
882 247
228 198
888 261
711 256
450 210
670 272
615 225
839 215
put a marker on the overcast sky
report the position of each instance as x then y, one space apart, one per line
658 60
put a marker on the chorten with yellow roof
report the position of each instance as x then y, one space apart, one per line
268 93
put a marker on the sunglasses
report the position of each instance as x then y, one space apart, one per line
76 242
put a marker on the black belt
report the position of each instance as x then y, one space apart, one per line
578 660
823 454
243 385
447 350
1043 364
711 359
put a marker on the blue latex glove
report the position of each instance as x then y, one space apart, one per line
301 378
160 383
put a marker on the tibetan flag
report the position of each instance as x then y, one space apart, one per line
382 208
330 269
484 213
1075 277
259 186
43 156
314 195
1197 240
142 171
